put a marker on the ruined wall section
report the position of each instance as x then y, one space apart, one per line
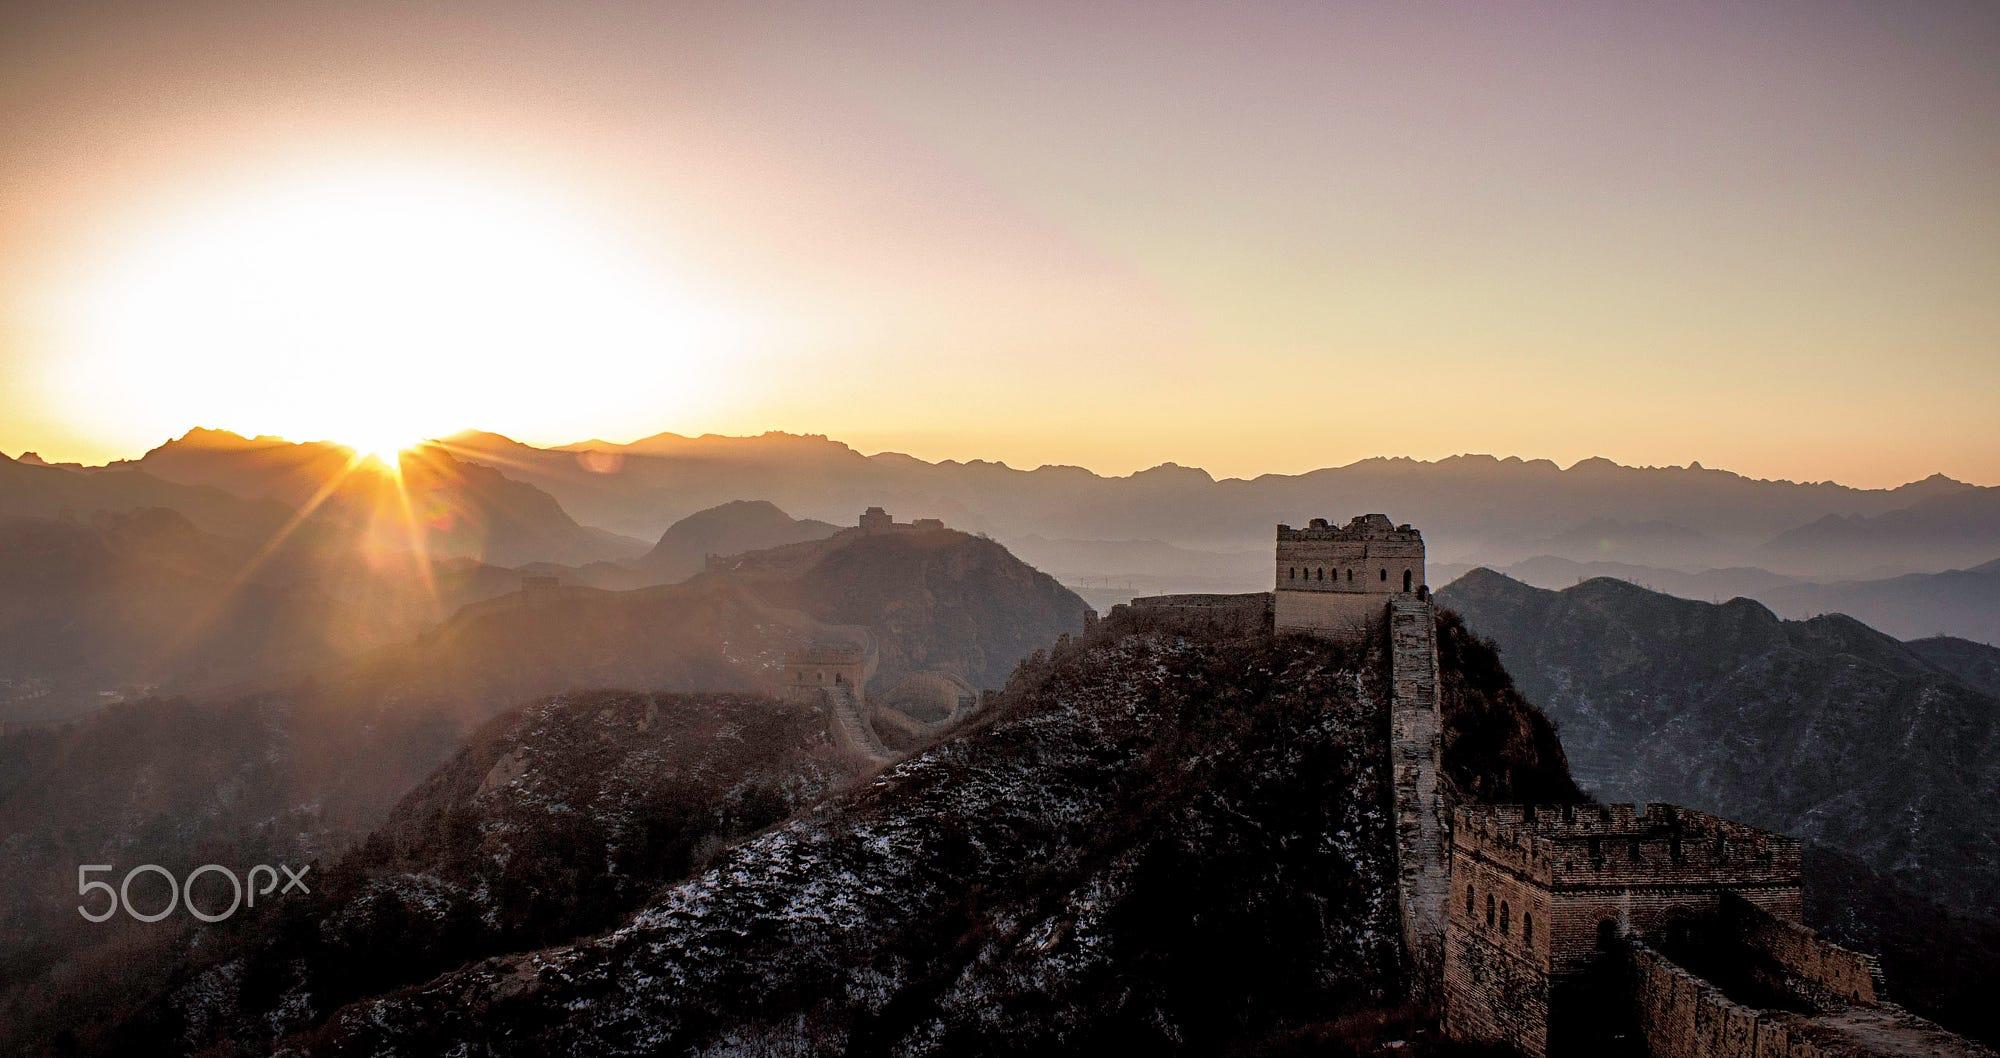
1415 729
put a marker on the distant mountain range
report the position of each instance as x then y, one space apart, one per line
37 490
1949 530
1962 602
594 501
1823 728
449 507
1470 507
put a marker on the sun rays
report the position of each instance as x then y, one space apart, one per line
372 528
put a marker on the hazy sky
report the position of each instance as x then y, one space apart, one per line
1249 237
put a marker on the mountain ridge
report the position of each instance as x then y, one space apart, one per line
1823 728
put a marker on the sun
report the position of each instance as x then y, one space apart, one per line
378 306
385 447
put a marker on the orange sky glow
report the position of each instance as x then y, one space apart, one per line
1262 239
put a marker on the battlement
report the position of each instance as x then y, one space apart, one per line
1365 527
1560 846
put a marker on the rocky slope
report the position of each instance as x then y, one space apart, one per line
1152 844
1825 729
558 818
1978 664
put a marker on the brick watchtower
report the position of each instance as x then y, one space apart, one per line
1538 896
827 667
1337 581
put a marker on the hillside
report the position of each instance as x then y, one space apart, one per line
940 600
1978 664
1958 602
35 490
1825 729
1150 844
555 820
125 605
729 529
301 768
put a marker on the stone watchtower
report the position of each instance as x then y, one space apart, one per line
822 668
1338 581
1541 897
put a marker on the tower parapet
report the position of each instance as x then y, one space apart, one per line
1337 581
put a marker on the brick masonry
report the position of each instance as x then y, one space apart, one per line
1414 744
1552 942
1337 580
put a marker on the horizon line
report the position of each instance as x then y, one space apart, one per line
1692 466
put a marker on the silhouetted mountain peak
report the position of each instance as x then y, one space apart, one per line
1173 474
726 529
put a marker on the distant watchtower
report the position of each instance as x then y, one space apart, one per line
876 520
819 668
1338 581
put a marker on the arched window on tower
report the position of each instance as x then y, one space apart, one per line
1385 573
1322 573
1505 918
1292 573
1406 582
1489 909
1527 927
1350 574
1468 901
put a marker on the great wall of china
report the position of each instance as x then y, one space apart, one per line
1576 931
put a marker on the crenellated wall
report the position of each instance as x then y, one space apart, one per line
1817 971
1570 928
